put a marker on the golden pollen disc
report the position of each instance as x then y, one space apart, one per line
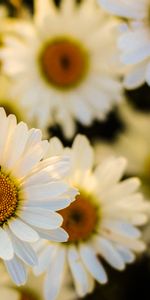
8 198
80 219
63 63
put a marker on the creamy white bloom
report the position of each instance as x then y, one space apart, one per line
134 40
32 189
64 69
100 222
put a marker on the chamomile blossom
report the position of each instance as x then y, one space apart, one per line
64 68
100 222
134 40
32 189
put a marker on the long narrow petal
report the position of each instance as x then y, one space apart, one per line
41 218
6 248
25 252
23 231
16 270
109 253
55 275
78 272
92 263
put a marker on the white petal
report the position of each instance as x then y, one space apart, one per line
46 257
54 235
29 160
81 149
41 218
34 137
46 191
131 243
110 171
122 227
55 147
136 56
6 248
57 167
122 9
55 276
17 144
136 76
126 254
78 272
109 253
125 187
23 231
92 263
4 136
16 270
25 252
55 204
8 130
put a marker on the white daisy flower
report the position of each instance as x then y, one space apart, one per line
101 222
31 191
72 62
134 41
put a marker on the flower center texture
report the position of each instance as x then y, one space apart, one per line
80 218
8 198
63 63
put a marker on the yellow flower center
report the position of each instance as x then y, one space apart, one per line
8 198
63 63
80 218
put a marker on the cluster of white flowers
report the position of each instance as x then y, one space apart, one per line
66 210
134 40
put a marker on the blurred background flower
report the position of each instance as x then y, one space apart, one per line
64 69
134 41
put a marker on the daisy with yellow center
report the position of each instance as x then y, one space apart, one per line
32 189
68 60
101 222
134 40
